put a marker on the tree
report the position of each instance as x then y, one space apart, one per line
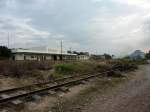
107 56
147 55
5 53
69 52
126 57
75 52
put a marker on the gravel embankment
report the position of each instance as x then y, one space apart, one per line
133 96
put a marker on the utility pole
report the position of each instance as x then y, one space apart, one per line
8 40
70 49
61 50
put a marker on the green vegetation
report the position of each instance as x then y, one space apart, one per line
129 61
47 70
80 67
5 53
108 56
148 55
65 68
22 68
55 75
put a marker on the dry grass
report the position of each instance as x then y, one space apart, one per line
20 73
22 68
9 82
81 67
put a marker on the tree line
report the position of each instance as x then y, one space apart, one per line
5 53
147 55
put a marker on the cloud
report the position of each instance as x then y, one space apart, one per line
139 3
128 29
112 26
21 30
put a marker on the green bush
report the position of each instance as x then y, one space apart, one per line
64 68
81 67
102 67
5 53
129 61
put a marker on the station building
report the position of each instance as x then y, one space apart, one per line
44 53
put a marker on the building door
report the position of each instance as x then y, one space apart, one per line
24 57
44 58
60 57
55 57
13 58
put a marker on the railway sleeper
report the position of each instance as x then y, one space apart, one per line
63 89
84 82
17 102
4 96
36 97
52 92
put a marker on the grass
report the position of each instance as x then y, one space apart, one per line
129 61
65 68
43 71
80 67
20 73
22 68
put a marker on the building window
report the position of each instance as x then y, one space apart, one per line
13 58
24 57
32 56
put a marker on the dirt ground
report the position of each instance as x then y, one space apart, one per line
133 96
109 95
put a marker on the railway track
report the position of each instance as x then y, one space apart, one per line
26 91
39 84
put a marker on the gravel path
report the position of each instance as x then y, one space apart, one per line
133 96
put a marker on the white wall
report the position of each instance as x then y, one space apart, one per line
19 57
48 57
83 57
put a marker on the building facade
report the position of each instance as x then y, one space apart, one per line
83 57
44 53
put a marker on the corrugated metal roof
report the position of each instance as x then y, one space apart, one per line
38 52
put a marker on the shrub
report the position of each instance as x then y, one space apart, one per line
5 53
81 67
21 68
129 61
64 68
102 67
116 74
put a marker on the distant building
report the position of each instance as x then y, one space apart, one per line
45 53
82 55
101 57
97 57
138 54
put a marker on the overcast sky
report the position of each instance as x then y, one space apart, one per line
102 26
